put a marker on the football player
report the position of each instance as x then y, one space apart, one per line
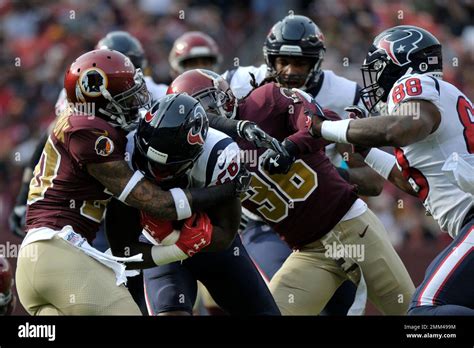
174 147
428 121
306 201
120 41
7 298
81 168
294 51
194 50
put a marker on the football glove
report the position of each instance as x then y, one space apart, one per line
196 234
251 132
242 180
280 163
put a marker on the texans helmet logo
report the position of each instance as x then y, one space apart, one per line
195 134
149 117
400 48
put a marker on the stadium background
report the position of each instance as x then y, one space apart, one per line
39 39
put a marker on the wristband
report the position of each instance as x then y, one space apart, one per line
181 203
163 254
380 161
136 177
335 131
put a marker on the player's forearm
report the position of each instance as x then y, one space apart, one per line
368 182
223 124
399 181
133 249
144 196
381 131
150 198
225 220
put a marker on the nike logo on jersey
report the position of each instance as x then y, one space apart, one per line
361 235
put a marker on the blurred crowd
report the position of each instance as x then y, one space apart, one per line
39 39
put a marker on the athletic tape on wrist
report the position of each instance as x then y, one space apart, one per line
183 209
380 161
163 254
134 180
335 131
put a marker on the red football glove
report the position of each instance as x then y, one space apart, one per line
196 234
157 229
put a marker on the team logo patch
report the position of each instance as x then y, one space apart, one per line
196 134
91 81
399 48
288 93
104 146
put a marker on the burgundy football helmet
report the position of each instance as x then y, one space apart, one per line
212 91
7 299
193 45
108 81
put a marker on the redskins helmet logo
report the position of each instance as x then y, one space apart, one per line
196 134
400 48
104 146
91 80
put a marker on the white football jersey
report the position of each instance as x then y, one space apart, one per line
157 90
335 94
218 163
422 161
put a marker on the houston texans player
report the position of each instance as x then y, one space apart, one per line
427 121
309 204
81 168
174 146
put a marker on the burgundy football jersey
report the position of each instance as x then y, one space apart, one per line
305 204
62 192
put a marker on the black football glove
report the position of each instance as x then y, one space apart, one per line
16 220
242 180
281 162
251 132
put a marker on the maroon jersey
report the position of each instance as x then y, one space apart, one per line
305 204
62 192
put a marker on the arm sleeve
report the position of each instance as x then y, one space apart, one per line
96 146
223 124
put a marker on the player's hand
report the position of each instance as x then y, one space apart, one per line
251 132
314 123
16 220
242 180
158 229
196 234
355 112
280 163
